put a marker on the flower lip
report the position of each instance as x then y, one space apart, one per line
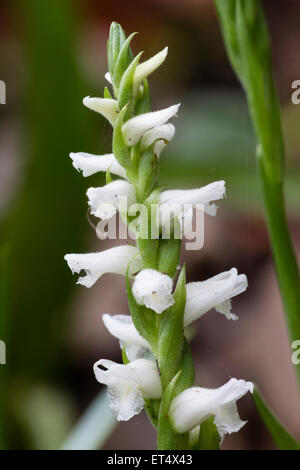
153 289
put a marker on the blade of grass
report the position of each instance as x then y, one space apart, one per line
281 436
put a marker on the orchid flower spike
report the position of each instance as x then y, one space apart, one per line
122 328
90 164
108 107
153 289
129 385
215 292
114 260
105 201
134 128
195 405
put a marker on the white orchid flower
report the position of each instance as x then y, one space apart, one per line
90 164
161 135
195 405
180 197
122 328
153 289
105 201
134 128
144 69
215 292
179 204
108 107
128 385
114 260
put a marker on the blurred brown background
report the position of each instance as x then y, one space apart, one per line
53 53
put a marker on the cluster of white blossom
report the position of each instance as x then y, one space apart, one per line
130 384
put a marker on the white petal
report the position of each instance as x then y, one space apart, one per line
228 420
153 289
225 309
90 164
136 351
108 107
146 68
122 328
105 201
204 196
135 127
194 405
114 260
108 77
213 293
128 385
160 135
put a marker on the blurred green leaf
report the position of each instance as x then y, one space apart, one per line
94 426
45 414
5 300
48 216
282 438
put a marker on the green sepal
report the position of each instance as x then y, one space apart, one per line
152 410
171 337
120 150
124 356
126 87
147 174
116 39
107 93
148 242
209 438
143 101
169 256
281 436
187 376
144 319
167 438
108 178
125 57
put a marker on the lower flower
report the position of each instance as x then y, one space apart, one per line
129 385
196 404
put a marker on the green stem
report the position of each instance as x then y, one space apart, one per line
283 253
247 42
